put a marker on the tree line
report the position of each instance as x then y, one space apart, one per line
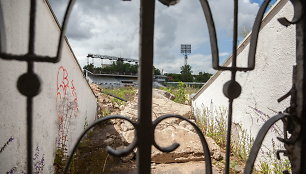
120 67
187 76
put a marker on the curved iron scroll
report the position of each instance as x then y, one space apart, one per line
28 84
258 141
137 141
31 56
298 14
214 42
208 165
110 150
232 88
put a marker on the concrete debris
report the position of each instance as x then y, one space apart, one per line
169 131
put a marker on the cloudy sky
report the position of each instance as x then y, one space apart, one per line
111 27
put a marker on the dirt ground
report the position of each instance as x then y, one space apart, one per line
92 158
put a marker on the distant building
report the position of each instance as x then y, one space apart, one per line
111 80
160 78
119 80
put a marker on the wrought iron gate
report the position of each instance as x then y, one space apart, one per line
294 117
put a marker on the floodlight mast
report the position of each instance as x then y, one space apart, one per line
185 50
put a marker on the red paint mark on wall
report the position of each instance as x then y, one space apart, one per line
66 106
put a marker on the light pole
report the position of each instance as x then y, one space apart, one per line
185 50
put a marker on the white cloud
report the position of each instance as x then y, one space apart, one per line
111 27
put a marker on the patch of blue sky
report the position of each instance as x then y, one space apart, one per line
261 1
225 41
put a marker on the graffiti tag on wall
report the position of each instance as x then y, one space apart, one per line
38 160
66 106
6 144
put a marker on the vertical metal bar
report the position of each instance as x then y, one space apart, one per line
145 127
29 135
29 127
298 155
235 34
233 77
31 43
228 137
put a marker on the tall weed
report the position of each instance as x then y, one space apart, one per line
214 125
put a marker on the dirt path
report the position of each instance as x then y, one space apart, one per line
188 158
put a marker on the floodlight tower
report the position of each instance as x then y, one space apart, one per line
185 50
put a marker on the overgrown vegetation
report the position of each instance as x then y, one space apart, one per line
117 67
181 92
105 112
126 93
214 125
91 156
271 165
59 161
186 76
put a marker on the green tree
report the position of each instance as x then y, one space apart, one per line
89 67
186 73
172 77
202 77
114 68
156 71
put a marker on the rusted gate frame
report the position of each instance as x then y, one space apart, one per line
294 119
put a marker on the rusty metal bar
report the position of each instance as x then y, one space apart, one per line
297 152
145 127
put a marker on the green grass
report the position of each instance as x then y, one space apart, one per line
216 128
181 92
213 127
126 93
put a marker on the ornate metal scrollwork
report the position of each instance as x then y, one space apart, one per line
208 164
298 14
29 85
137 141
259 139
31 55
232 89
110 150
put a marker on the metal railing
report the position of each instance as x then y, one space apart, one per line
294 119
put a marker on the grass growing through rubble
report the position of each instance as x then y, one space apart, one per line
126 93
181 92
214 125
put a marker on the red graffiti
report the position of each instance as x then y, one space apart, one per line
66 105
62 82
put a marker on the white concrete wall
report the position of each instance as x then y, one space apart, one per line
261 88
65 98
